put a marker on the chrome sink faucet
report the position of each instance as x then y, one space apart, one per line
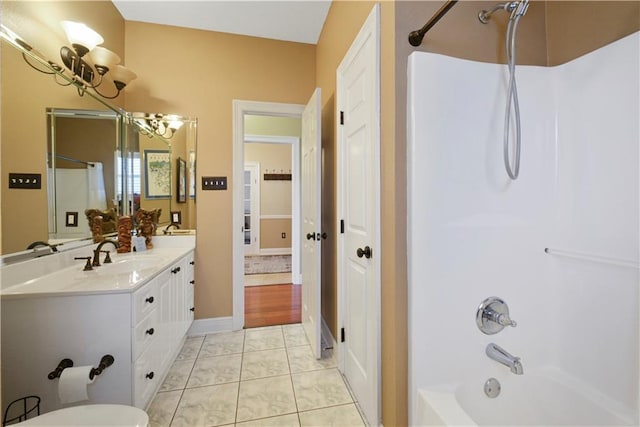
500 355
98 250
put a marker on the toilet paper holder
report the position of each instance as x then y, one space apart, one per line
64 363
106 361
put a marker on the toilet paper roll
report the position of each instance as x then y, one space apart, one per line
73 383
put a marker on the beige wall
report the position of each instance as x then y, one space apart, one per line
201 77
272 126
89 140
275 196
575 28
271 233
25 96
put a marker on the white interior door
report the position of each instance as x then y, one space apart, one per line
251 208
358 100
311 215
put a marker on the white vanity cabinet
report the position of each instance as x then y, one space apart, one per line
162 315
143 329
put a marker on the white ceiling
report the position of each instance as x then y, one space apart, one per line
290 20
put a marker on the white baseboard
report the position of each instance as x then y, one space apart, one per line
210 326
275 251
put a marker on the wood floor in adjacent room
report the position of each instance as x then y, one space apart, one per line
272 305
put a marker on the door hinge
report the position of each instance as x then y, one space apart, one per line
341 117
341 334
342 226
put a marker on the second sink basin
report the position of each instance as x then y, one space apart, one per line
130 264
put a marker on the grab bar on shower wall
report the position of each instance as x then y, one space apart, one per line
593 258
415 37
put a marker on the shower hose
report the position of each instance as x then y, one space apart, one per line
512 94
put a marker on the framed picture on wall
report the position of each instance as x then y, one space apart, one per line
157 174
182 181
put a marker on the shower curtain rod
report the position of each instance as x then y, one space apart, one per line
69 159
415 37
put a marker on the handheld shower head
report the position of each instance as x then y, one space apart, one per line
520 9
516 8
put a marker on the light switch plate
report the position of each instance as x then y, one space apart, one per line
214 182
32 181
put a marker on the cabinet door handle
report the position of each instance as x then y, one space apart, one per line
175 270
192 309
192 262
149 300
150 375
150 331
366 252
193 282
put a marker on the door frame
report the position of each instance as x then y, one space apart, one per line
370 28
255 202
240 109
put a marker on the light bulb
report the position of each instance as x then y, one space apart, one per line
81 37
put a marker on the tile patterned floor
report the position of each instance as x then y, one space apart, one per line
258 377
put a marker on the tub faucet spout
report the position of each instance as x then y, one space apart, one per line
500 355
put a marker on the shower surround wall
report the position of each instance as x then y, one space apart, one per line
473 233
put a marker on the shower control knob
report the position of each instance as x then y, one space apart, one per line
493 315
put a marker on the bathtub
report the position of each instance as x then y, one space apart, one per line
536 399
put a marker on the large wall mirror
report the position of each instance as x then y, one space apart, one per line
160 157
83 171
87 153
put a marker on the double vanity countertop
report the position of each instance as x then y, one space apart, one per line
61 275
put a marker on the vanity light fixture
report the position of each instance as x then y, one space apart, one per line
85 41
88 62
164 125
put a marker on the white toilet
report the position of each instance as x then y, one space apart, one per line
91 415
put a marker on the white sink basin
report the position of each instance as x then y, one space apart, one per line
130 264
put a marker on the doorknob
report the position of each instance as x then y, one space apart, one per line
311 236
366 252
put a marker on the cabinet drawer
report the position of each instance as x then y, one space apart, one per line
145 332
145 299
146 376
